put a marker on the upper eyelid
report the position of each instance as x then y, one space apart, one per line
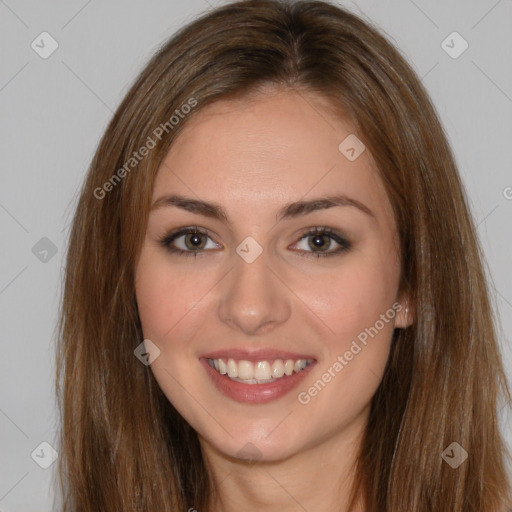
323 230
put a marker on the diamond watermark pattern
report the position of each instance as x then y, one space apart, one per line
249 453
44 250
44 455
351 147
454 455
44 45
147 352
454 45
249 249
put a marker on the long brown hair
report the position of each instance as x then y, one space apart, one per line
123 446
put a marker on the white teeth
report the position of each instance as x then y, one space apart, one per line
223 369
288 367
258 372
277 369
232 368
262 370
245 370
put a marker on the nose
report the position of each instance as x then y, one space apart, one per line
254 298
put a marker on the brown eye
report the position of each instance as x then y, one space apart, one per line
319 240
194 241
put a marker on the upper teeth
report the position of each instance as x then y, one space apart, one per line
258 371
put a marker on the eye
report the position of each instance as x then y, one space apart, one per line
192 244
320 239
195 242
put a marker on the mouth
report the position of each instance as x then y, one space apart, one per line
259 372
258 377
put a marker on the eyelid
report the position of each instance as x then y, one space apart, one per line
341 240
168 238
334 235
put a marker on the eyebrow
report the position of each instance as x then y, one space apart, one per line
290 210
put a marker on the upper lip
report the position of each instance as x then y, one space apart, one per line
263 354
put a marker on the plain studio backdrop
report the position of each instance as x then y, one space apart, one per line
56 99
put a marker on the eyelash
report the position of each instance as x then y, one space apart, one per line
345 245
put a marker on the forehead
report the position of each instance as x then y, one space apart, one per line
263 151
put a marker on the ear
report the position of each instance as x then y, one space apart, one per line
404 312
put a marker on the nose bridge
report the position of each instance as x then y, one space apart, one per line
252 296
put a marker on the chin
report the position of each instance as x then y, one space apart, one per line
256 443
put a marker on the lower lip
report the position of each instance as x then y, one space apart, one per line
255 393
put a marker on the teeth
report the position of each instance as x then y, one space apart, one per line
232 368
245 370
259 372
277 369
223 369
262 370
299 365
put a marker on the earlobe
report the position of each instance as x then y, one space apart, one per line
405 315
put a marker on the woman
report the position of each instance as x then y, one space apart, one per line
331 344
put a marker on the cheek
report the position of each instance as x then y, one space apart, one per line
165 297
154 300
359 308
353 298
355 305
168 303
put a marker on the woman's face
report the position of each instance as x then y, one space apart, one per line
257 296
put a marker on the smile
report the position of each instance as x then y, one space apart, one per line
256 377
258 372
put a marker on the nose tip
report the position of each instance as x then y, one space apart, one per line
250 324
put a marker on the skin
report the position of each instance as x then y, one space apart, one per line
252 157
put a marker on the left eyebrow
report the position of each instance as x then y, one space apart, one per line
290 210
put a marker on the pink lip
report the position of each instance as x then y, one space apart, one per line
255 355
254 393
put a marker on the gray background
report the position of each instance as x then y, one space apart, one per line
54 111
